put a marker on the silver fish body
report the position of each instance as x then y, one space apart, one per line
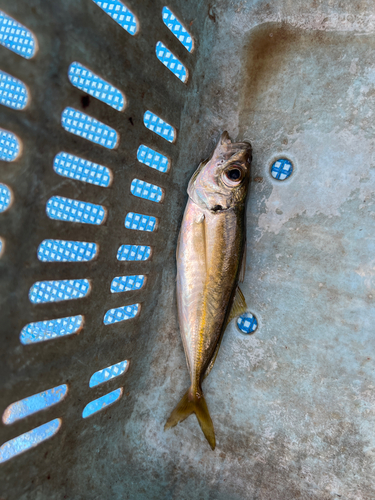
208 260
209 257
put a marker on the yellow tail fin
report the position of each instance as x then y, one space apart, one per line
191 403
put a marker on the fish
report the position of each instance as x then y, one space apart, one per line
210 262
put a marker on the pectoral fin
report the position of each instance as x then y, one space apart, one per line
238 307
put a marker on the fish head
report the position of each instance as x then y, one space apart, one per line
221 182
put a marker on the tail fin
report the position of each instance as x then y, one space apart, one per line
191 403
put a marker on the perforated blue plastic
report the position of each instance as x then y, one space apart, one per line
120 314
133 252
55 291
50 329
5 197
101 403
177 29
146 190
66 251
247 323
282 169
152 158
170 61
16 37
108 373
35 403
13 92
71 166
60 208
29 440
85 126
84 79
159 126
9 146
140 222
126 283
120 14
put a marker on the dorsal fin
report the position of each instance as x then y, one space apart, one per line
238 307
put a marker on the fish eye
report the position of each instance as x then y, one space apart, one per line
233 176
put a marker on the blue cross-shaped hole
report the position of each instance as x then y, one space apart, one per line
282 169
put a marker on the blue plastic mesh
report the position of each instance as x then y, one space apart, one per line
1 246
13 92
55 291
101 403
282 169
33 404
85 126
146 190
126 283
66 251
133 252
28 440
82 170
170 61
84 79
120 314
50 329
120 14
159 126
5 197
108 373
177 29
152 158
16 37
60 208
247 323
9 146
140 222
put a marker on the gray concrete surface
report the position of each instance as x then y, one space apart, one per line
294 404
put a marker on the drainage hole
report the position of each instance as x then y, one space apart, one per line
247 323
281 169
